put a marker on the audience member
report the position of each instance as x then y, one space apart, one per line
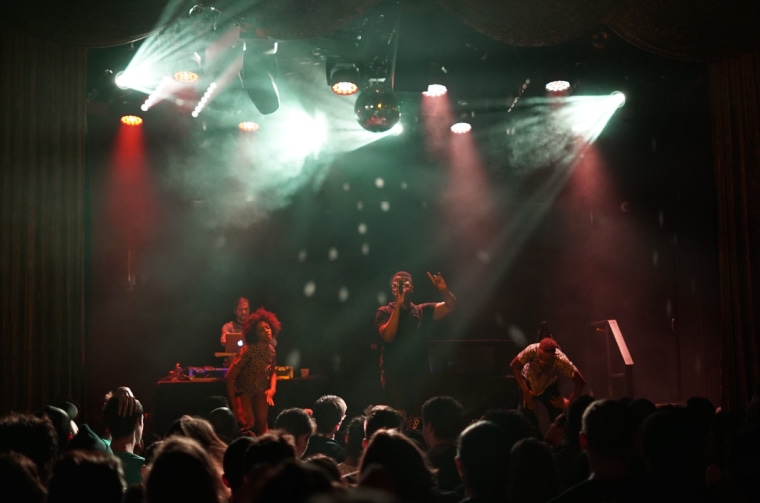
182 471
671 449
223 422
19 480
298 423
569 456
533 477
293 482
393 463
328 412
381 417
126 434
354 441
31 436
88 440
62 419
326 463
86 477
483 462
607 436
442 422
202 432
233 464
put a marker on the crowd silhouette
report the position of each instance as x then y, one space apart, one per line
596 450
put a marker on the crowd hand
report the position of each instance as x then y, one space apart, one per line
127 401
270 397
437 281
560 402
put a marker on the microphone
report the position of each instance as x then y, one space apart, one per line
400 286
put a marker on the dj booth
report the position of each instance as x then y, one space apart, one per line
475 372
175 398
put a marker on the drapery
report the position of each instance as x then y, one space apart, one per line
44 240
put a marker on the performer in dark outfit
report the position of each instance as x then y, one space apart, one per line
403 327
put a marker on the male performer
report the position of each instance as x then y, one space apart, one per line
403 327
537 369
242 310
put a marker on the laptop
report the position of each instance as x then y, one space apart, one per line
235 341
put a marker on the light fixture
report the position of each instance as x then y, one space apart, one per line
344 80
131 120
461 127
248 127
185 76
377 109
437 79
558 87
257 77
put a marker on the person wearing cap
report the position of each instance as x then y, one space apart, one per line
403 328
61 415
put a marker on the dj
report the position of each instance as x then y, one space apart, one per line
241 310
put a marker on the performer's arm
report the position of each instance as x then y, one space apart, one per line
272 389
388 330
223 337
527 395
578 384
449 301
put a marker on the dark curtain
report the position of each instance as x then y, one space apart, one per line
43 178
736 146
42 144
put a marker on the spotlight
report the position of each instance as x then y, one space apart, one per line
187 69
435 90
377 109
461 127
344 80
619 98
185 76
258 81
131 120
437 80
558 87
248 127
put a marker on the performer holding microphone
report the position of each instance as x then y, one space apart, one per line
404 329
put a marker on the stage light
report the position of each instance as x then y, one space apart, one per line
185 76
618 98
377 109
438 77
121 80
435 90
461 128
131 120
259 66
248 127
558 86
344 81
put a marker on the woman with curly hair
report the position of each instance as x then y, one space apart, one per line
251 379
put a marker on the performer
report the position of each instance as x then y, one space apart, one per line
241 311
403 327
251 377
537 369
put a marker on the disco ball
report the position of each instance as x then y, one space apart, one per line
376 109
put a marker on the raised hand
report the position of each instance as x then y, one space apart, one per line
437 281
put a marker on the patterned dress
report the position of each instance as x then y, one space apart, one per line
256 363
